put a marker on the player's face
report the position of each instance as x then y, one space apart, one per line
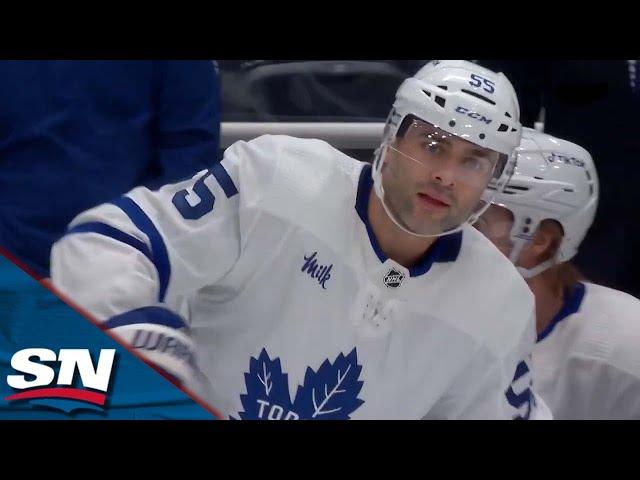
495 224
433 180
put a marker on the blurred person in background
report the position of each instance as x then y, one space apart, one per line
595 104
586 361
74 134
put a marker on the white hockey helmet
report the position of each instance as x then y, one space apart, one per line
465 100
553 179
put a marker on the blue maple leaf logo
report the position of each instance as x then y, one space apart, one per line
331 393
266 386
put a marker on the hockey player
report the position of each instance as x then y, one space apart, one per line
586 362
314 286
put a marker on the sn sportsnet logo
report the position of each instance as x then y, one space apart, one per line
46 378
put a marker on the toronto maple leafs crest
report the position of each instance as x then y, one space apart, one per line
330 393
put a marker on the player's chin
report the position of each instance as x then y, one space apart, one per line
432 220
426 227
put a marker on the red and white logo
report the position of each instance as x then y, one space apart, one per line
38 380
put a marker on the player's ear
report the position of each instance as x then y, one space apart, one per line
546 240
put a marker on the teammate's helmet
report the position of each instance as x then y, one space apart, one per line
466 100
553 179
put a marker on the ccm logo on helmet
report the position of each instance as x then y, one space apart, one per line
46 385
474 115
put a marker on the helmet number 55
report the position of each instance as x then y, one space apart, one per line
478 81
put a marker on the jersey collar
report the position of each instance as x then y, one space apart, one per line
572 301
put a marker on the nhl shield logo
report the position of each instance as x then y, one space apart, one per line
393 279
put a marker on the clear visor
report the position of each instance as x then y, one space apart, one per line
436 181
459 160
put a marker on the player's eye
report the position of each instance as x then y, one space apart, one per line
478 165
433 147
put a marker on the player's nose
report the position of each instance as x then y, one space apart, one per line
444 173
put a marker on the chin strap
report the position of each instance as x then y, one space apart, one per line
537 270
519 244
435 235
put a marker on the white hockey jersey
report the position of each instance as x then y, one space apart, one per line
296 311
586 363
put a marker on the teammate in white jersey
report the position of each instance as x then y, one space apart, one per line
586 362
315 286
